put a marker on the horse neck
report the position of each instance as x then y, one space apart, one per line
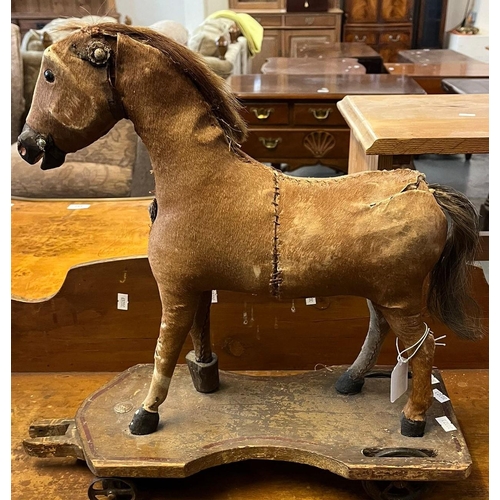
184 141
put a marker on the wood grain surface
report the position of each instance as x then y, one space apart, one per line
81 328
48 239
36 395
413 124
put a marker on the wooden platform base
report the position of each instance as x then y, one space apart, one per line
52 395
298 418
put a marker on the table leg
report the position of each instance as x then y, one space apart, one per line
359 161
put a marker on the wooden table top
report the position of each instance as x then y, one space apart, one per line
432 56
414 124
48 238
467 85
319 87
59 395
472 68
338 50
312 66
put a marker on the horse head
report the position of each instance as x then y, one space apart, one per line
74 102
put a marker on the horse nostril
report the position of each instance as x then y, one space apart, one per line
22 150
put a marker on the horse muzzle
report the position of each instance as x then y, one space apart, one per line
32 146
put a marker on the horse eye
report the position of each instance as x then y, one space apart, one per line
49 76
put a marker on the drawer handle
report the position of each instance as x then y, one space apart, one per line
320 114
394 38
309 21
262 113
362 39
270 143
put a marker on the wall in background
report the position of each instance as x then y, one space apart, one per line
456 11
190 13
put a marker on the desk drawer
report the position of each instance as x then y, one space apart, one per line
268 20
297 143
318 114
307 20
265 113
399 36
363 35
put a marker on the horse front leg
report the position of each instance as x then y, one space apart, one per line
202 362
410 329
178 314
352 380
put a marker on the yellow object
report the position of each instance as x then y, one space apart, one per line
248 26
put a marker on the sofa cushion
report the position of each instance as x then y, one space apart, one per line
103 169
172 29
204 39
17 104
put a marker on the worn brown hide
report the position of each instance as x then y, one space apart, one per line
224 221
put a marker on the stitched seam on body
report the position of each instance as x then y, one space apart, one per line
276 274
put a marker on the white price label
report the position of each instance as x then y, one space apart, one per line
445 423
122 301
214 297
442 398
399 381
78 206
311 301
434 380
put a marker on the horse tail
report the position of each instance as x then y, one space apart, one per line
449 297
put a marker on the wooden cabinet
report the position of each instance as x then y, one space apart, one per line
285 31
291 124
385 25
35 14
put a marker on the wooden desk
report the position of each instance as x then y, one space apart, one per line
432 56
293 119
36 395
365 55
312 66
429 76
383 126
48 239
466 85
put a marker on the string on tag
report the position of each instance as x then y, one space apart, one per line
415 346
439 338
321 366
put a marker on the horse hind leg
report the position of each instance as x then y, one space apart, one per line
410 328
352 380
202 362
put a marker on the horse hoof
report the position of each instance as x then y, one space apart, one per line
205 376
144 422
348 386
412 428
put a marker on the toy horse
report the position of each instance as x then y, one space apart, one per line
225 221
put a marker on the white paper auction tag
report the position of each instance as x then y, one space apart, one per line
214 297
78 206
311 301
399 380
442 398
434 380
122 301
445 423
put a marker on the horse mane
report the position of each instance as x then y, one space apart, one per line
223 104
